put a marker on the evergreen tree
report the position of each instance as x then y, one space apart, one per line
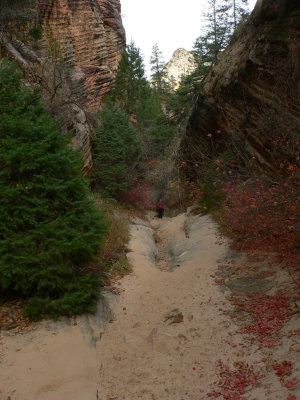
157 129
116 150
158 76
180 103
240 13
136 65
208 47
48 225
135 96
223 18
130 82
120 91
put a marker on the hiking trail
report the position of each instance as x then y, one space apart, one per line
167 329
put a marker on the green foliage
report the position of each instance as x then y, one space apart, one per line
36 32
180 103
159 75
80 296
216 37
211 197
130 83
223 18
157 129
214 177
134 95
48 226
20 11
116 150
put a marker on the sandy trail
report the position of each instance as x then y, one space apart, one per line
147 358
142 354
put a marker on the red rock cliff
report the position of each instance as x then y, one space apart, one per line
253 94
89 37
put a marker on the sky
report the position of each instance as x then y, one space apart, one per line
169 23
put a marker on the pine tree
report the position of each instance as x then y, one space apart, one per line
121 88
223 19
158 76
130 82
135 96
48 225
240 13
157 129
116 150
180 103
208 47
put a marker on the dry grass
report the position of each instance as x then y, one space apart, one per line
112 261
117 238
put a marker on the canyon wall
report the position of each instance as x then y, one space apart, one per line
91 38
74 60
250 102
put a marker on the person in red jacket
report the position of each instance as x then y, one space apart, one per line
161 207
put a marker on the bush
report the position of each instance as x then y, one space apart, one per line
36 32
139 197
49 227
211 197
116 239
214 176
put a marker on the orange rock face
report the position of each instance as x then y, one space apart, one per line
74 62
91 38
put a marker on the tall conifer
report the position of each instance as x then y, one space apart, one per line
49 227
116 149
158 76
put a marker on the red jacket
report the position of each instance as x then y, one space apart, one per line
160 205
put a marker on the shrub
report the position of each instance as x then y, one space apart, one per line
112 260
49 227
36 32
116 239
139 197
211 197
214 177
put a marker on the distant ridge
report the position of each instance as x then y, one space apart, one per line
182 63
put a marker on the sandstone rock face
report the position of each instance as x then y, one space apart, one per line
75 61
182 63
91 38
252 94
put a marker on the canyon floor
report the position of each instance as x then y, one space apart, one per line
170 333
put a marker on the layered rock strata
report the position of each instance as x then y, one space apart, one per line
91 37
250 100
74 61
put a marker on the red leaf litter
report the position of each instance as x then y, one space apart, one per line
283 370
233 383
268 314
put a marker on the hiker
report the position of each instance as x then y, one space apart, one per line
161 207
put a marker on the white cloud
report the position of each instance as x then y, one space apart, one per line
169 23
